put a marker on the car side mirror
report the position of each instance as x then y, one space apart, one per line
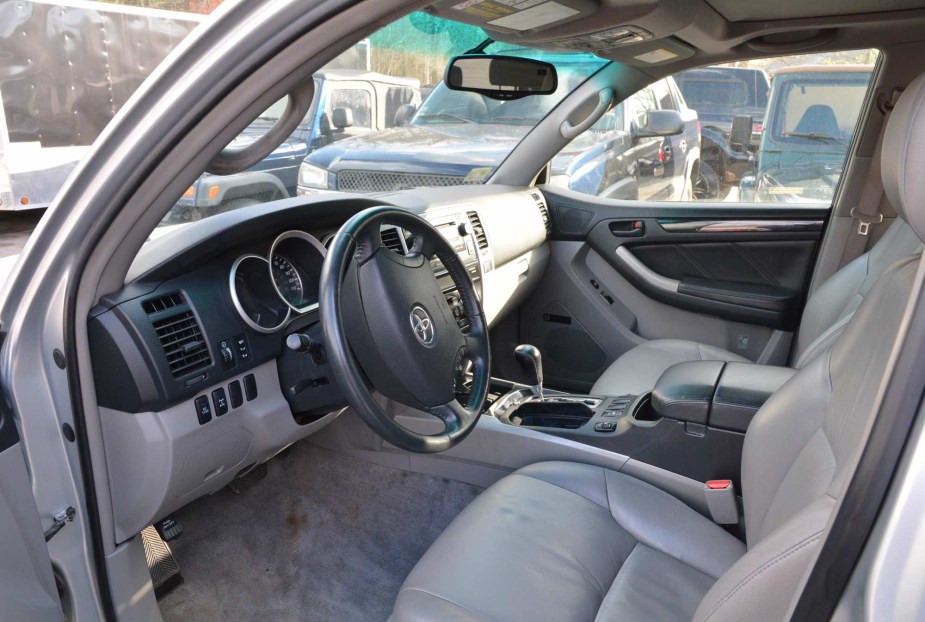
660 123
501 77
404 114
741 133
342 118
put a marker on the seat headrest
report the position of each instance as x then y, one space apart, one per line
902 157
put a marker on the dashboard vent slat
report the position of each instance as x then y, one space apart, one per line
162 303
183 343
391 239
544 210
480 238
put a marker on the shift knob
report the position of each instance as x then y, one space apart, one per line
528 357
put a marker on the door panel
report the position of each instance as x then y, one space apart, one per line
732 276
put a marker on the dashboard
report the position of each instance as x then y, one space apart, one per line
212 353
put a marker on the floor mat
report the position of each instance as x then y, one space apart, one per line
323 537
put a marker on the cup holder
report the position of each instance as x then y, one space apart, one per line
566 415
643 411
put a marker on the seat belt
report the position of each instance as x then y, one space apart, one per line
868 211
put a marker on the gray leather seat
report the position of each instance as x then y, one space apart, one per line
564 541
824 318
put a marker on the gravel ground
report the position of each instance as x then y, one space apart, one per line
15 229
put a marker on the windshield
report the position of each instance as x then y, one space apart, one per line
382 120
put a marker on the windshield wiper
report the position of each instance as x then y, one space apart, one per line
816 136
443 115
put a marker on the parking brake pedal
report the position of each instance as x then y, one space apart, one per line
164 569
169 528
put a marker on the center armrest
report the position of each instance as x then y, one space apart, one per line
717 394
743 388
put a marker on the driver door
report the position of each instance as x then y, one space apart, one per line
27 585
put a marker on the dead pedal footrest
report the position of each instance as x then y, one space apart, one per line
164 569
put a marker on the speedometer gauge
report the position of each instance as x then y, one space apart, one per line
295 269
288 281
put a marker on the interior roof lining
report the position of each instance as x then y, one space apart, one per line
700 25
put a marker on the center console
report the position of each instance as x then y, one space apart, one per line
692 423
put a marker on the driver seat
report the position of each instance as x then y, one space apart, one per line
564 541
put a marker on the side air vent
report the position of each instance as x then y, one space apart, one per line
183 344
478 230
391 239
156 305
544 211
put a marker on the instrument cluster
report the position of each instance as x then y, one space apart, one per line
266 291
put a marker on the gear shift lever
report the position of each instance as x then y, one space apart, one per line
528 357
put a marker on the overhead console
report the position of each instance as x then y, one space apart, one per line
639 31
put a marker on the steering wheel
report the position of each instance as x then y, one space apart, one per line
388 328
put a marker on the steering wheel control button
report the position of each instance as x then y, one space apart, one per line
242 348
203 410
226 353
250 387
220 402
605 426
234 394
423 326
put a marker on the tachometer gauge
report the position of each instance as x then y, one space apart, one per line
288 281
295 269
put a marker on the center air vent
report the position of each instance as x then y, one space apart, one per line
480 238
183 344
544 211
392 240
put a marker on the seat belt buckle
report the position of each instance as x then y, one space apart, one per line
865 220
721 501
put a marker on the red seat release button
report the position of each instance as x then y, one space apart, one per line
719 484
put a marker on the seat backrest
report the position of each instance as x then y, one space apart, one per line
802 447
818 119
830 307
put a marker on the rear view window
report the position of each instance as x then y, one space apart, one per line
826 110
699 92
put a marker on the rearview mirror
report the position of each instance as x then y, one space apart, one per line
661 123
501 77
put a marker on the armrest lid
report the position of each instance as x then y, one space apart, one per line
684 391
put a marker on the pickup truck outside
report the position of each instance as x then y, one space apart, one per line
348 103
719 94
458 138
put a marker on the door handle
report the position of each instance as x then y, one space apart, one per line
628 228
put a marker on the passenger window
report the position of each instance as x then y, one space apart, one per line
358 101
795 118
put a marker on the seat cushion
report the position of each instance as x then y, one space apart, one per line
637 370
565 541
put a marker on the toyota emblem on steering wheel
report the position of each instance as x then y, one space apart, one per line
422 326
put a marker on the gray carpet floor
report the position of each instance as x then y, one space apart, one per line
323 537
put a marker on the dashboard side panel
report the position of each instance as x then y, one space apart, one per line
160 461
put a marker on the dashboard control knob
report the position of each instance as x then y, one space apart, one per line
464 229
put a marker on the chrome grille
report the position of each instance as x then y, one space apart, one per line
388 181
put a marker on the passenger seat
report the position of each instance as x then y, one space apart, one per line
824 318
